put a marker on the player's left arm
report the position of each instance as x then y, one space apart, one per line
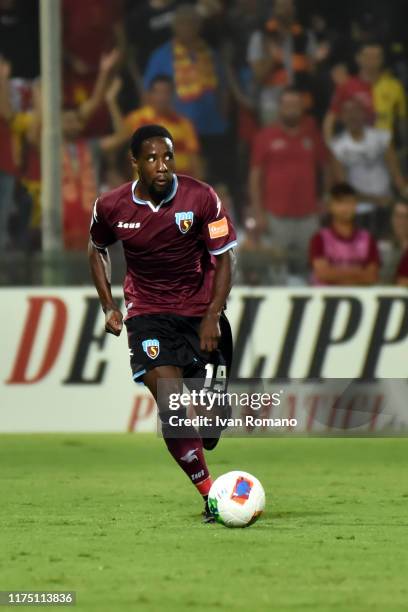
101 236
210 332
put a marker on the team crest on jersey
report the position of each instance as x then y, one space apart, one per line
151 347
184 220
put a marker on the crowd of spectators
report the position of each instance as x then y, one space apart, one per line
300 125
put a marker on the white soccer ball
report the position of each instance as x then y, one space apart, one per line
237 499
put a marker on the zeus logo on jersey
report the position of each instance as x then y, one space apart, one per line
128 225
184 220
151 347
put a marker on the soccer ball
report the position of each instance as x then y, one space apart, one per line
236 499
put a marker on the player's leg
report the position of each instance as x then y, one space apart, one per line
211 372
182 441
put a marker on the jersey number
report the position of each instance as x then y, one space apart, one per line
218 382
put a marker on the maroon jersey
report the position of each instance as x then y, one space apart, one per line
169 247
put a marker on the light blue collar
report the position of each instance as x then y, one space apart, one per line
155 207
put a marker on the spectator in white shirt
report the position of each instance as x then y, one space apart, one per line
366 158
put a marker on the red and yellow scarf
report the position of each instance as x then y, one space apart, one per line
194 73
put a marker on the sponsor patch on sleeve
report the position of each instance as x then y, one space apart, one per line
218 229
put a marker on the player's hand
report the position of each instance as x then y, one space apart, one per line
113 321
209 332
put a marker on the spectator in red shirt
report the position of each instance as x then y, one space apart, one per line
342 254
402 271
379 92
286 159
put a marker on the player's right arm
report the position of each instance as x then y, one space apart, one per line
99 262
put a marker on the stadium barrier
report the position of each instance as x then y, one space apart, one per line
61 372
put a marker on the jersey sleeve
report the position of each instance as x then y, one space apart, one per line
218 232
101 232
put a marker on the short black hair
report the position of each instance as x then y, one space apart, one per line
144 133
161 78
342 190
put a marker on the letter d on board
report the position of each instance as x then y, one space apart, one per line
55 335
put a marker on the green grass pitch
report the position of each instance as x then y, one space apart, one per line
114 518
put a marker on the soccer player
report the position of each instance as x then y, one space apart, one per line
178 243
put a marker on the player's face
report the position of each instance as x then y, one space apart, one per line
156 166
343 209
